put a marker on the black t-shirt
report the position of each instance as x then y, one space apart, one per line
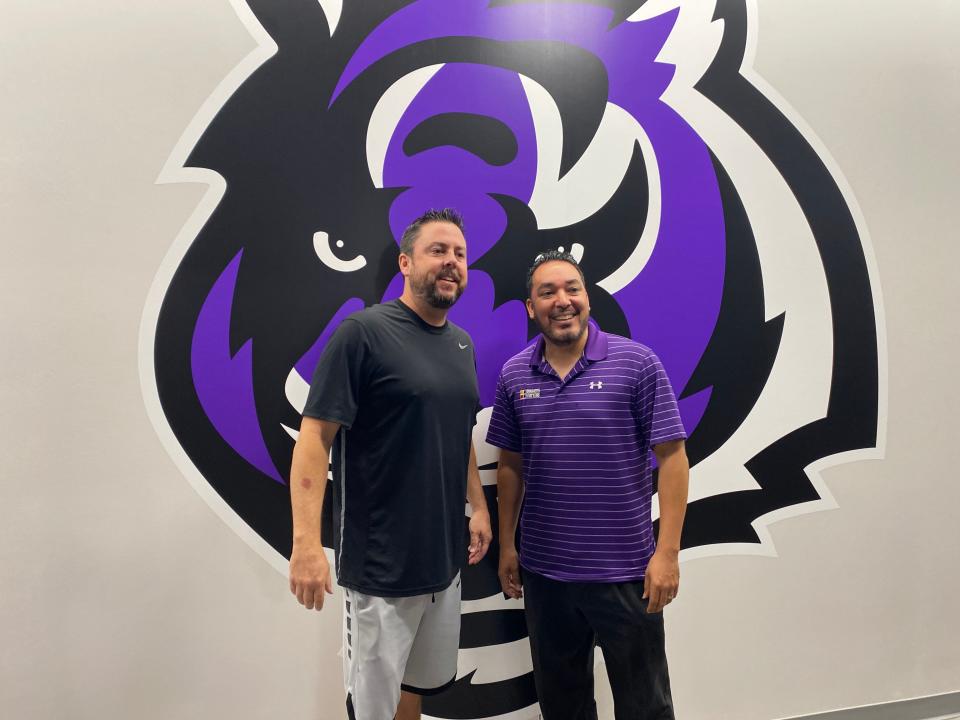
405 393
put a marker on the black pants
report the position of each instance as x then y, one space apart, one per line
566 620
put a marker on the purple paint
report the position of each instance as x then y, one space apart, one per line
453 177
224 384
584 25
430 19
673 304
308 363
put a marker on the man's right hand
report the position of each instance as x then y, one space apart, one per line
310 576
509 573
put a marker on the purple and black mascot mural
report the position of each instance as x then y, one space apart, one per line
632 134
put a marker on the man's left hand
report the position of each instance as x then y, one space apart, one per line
662 580
480 536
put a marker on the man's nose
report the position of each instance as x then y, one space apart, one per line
454 260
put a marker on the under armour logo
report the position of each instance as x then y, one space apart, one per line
596 385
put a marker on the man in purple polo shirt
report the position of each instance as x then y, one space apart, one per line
575 417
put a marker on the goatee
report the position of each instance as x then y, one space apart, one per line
441 301
428 291
563 337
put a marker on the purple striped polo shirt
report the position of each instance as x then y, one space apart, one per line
585 442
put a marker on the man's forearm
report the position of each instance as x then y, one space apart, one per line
308 484
310 578
673 482
475 496
509 495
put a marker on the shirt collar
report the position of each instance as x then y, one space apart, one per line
596 348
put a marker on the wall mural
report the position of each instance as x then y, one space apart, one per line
708 222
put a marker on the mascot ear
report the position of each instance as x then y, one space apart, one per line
298 23
332 10
694 41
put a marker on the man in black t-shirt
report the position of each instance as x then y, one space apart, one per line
395 397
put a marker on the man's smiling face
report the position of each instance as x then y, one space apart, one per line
437 268
558 302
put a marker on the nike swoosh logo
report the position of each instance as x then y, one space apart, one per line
462 347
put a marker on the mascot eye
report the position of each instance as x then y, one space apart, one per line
321 245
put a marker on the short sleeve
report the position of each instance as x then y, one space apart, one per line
335 390
503 432
656 405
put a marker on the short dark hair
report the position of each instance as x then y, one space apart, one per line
412 232
549 256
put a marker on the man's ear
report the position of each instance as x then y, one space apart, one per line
530 308
404 262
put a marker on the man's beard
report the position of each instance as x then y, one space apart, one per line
563 337
428 291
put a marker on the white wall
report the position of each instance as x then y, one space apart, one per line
122 594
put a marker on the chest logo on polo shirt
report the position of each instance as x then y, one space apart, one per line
528 394
598 385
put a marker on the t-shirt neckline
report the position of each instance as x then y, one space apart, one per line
423 323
